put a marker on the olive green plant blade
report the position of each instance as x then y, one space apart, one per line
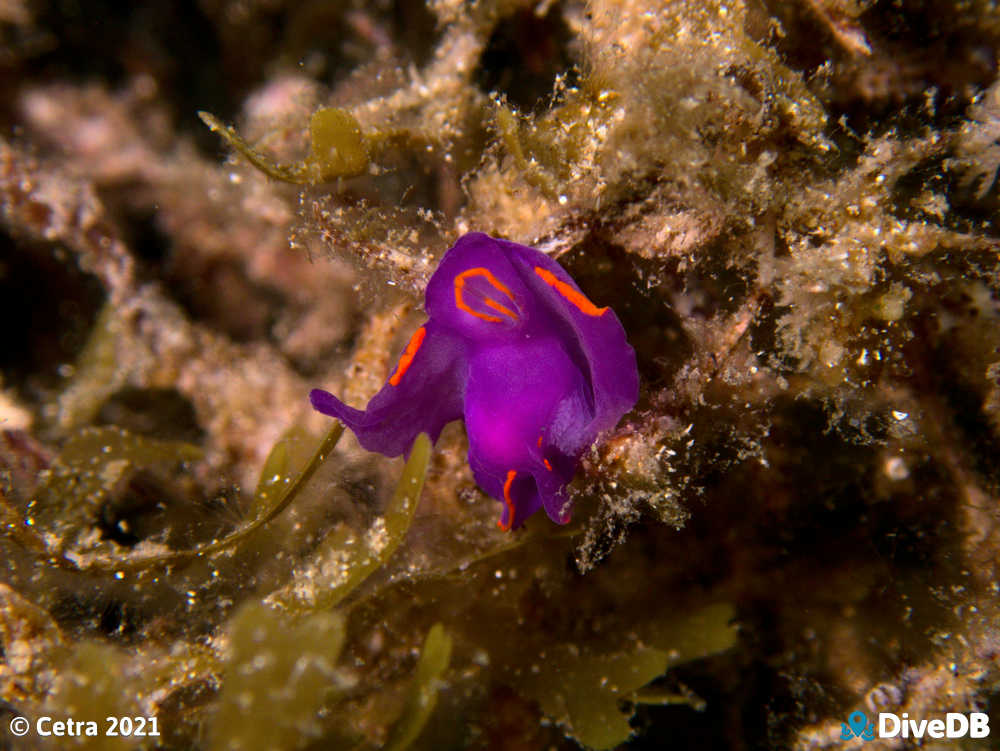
433 662
582 690
338 148
280 673
342 561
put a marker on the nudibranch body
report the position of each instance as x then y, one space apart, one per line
514 347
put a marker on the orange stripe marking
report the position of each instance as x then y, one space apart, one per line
408 354
547 465
507 499
497 284
576 298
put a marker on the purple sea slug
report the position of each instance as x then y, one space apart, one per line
515 348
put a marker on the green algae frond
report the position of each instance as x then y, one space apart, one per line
434 659
344 559
338 148
279 675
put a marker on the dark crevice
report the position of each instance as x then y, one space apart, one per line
143 235
219 294
50 306
137 512
99 612
329 40
727 685
172 42
164 414
791 562
764 341
523 57
971 203
918 54
637 290
416 29
721 284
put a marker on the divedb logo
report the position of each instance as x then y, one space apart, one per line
954 725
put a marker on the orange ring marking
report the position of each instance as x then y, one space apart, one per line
507 499
576 298
497 284
408 354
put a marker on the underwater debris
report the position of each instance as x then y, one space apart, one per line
513 346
